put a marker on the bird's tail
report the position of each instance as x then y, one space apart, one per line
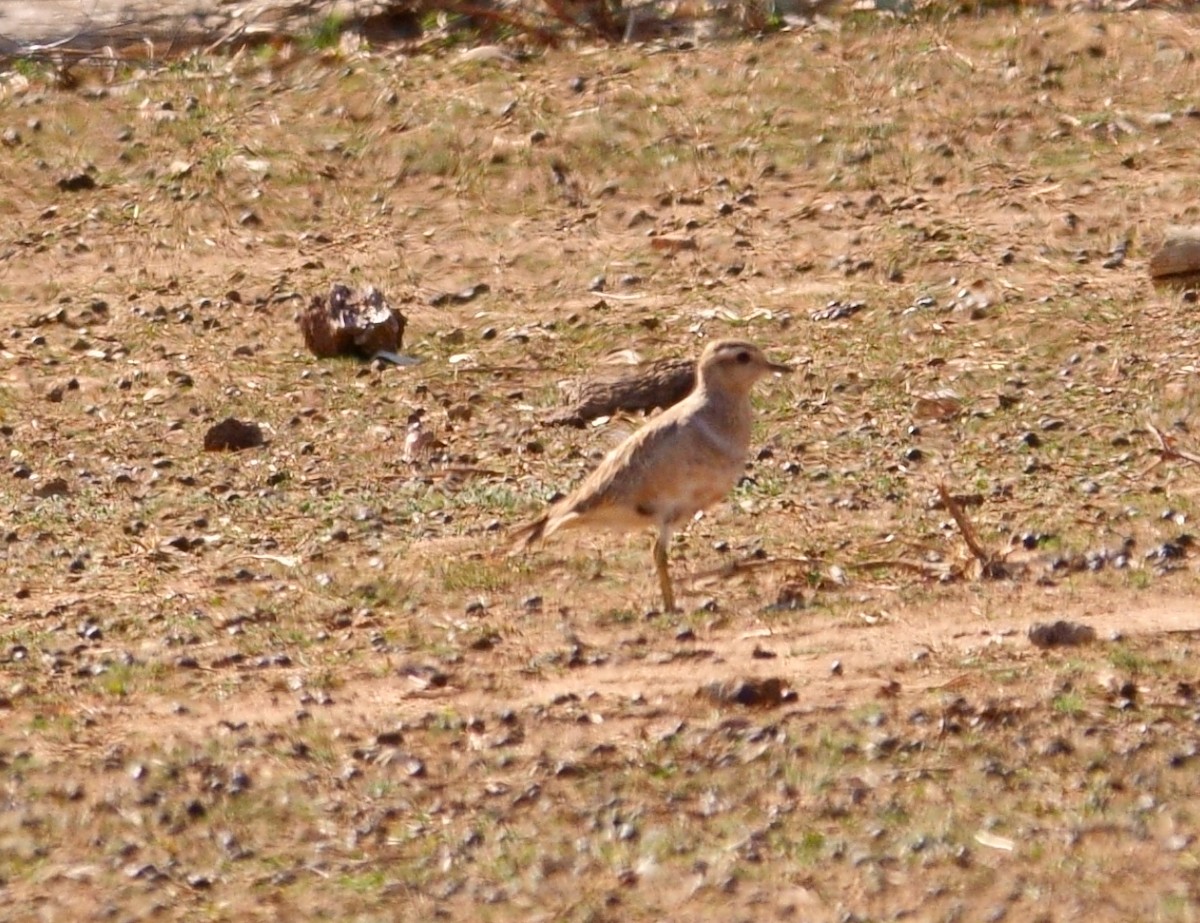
530 533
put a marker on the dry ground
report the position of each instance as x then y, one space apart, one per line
304 682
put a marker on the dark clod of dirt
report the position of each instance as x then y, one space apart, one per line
654 384
351 323
487 641
231 435
424 676
77 182
1061 634
55 487
1057 746
792 596
753 693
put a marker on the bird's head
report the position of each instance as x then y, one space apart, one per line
734 365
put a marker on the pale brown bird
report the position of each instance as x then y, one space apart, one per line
682 461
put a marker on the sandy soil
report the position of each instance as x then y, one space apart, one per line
307 681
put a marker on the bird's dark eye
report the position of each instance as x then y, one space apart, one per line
743 357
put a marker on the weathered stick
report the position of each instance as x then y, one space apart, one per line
990 564
656 384
1179 254
1167 450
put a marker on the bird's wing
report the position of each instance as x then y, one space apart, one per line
620 476
625 472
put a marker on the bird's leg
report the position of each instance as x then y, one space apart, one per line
661 542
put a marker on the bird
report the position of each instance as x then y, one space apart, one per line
681 461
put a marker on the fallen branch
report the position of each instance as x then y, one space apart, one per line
655 384
1179 256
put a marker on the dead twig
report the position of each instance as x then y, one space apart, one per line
1167 451
917 772
463 471
495 369
991 565
937 571
231 35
